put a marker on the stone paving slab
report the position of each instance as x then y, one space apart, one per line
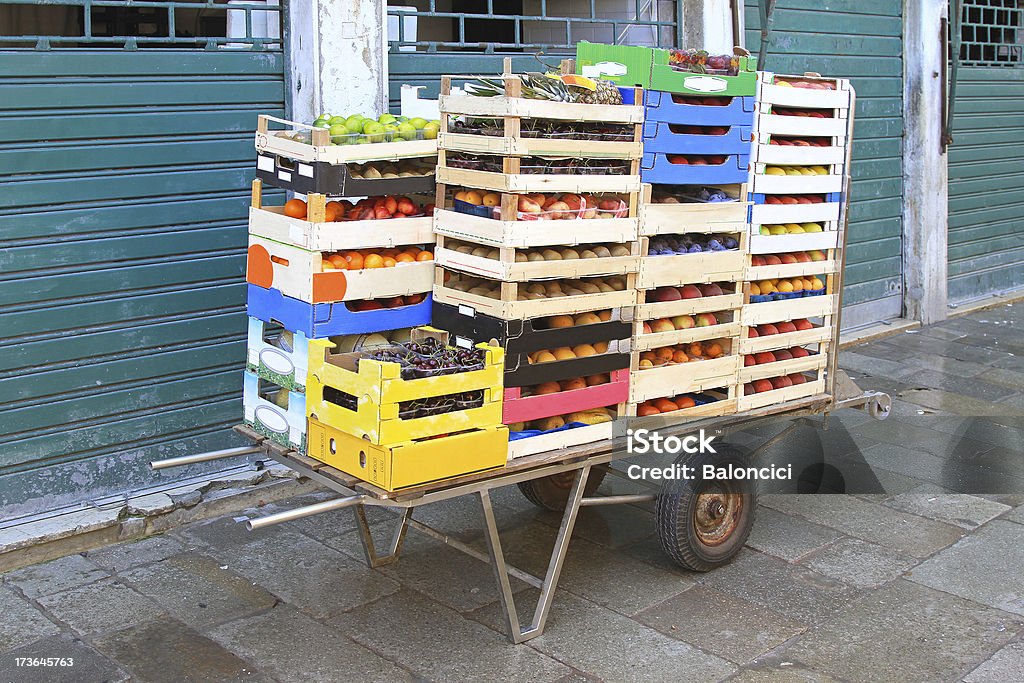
22 623
620 650
198 589
166 651
115 558
1017 515
909 534
787 537
858 563
85 663
102 606
799 593
290 646
903 633
308 574
52 577
984 567
724 625
964 511
437 643
1005 665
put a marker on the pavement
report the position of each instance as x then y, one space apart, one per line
917 574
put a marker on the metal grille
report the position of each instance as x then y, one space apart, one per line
528 25
135 24
992 33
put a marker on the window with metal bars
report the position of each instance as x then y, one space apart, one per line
202 24
992 33
553 26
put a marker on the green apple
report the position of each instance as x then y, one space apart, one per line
418 123
385 119
407 131
431 129
373 131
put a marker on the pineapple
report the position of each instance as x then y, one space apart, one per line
606 93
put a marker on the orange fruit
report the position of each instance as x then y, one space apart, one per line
373 261
330 213
546 388
714 349
679 356
605 316
594 380
389 262
685 402
338 261
405 257
573 384
664 405
355 260
664 353
646 408
295 208
425 256
695 349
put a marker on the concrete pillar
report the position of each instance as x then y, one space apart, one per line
925 207
338 57
708 24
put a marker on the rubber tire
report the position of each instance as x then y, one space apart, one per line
677 504
552 493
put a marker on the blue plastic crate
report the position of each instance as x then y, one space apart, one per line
627 95
659 106
317 321
659 137
656 168
830 197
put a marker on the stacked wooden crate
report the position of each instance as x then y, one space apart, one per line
319 267
793 272
537 249
694 227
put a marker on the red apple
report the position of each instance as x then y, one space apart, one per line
764 357
690 292
667 294
767 329
709 289
803 324
752 333
796 378
782 354
757 260
772 260
781 382
817 255
749 360
749 389
788 258
706 319
799 352
786 327
762 385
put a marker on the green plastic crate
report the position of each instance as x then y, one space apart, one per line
648 67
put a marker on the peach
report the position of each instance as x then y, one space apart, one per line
558 321
796 378
706 319
782 382
749 360
752 333
782 354
772 260
803 324
683 322
764 357
767 329
785 327
762 385
799 352
662 325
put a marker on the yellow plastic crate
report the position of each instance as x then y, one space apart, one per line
413 462
379 389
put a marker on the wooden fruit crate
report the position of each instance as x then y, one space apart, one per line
788 270
508 227
511 179
282 424
315 233
750 373
682 269
791 309
730 300
683 378
696 217
770 93
511 108
379 389
336 180
761 183
504 266
520 338
728 325
519 408
768 214
299 273
813 387
778 124
790 155
559 439
317 321
283 364
725 404
826 240
509 307
410 463
316 144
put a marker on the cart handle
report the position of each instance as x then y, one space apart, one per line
299 513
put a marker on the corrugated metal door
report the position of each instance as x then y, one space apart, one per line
986 159
861 40
428 39
122 228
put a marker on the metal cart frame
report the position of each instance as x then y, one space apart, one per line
578 460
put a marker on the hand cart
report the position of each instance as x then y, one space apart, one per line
701 525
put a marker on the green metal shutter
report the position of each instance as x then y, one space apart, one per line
122 230
861 40
986 159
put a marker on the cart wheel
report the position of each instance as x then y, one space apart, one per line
552 493
703 524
